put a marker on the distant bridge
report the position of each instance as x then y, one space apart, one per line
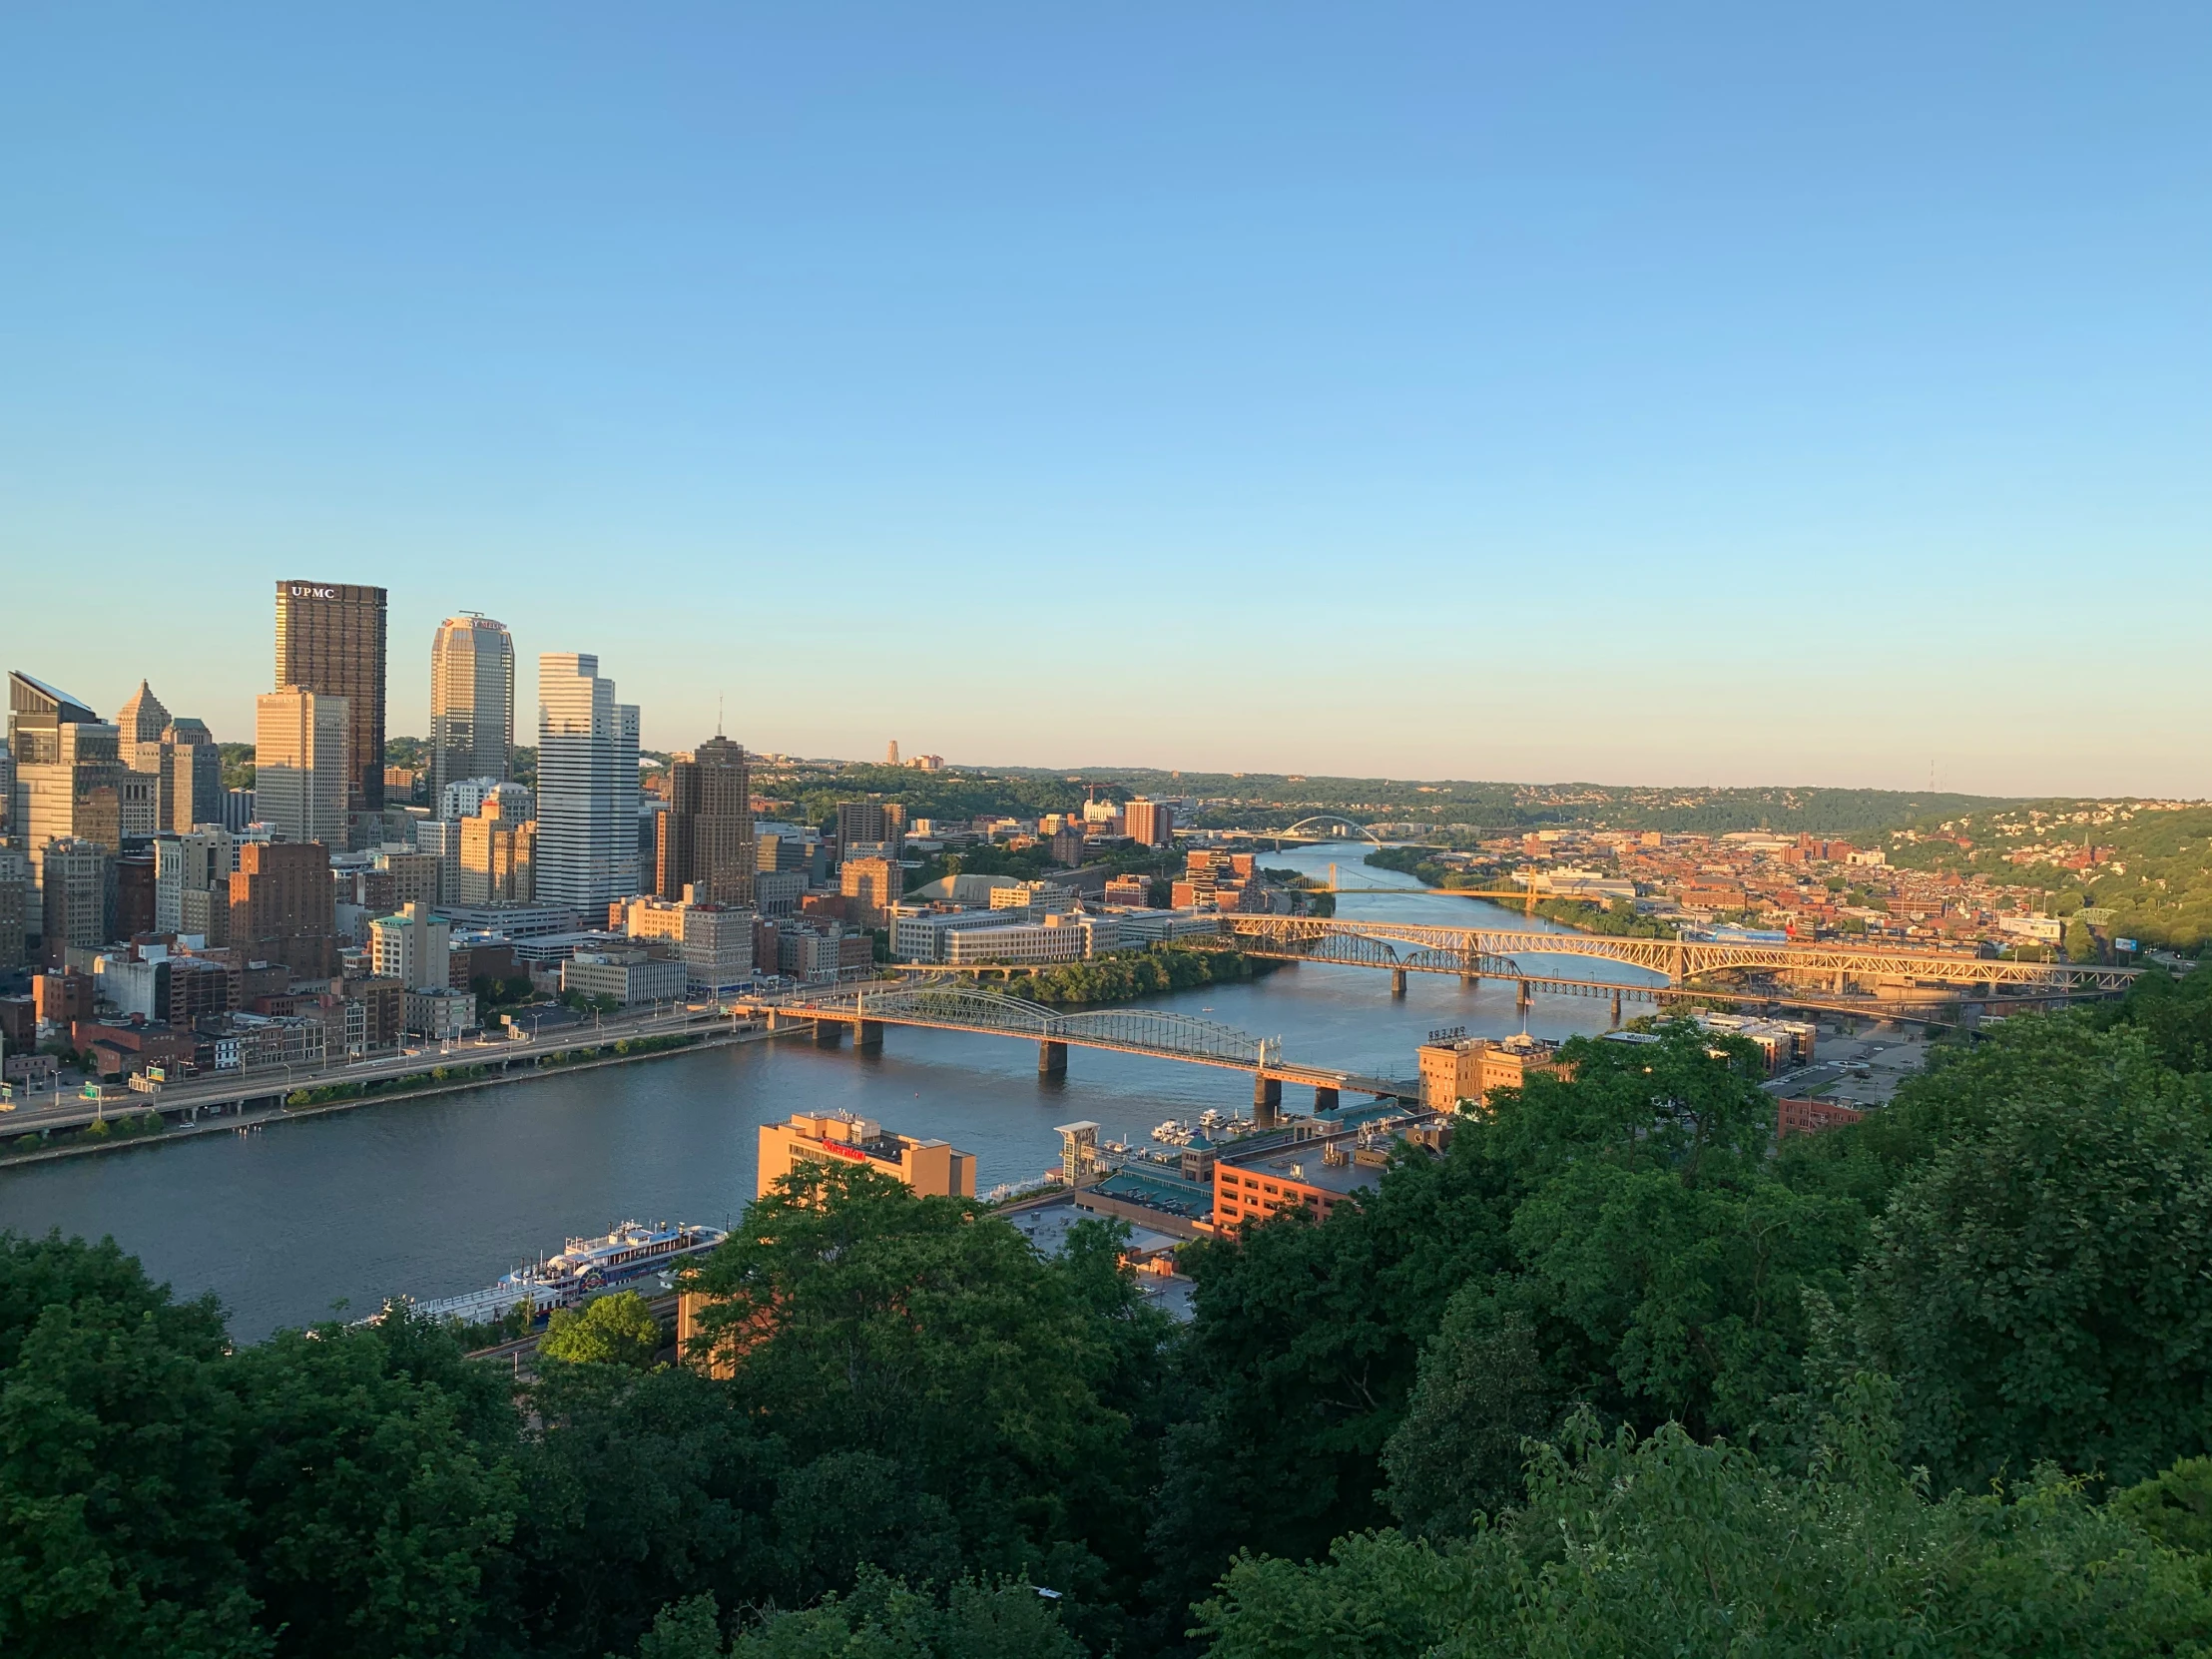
1334 819
864 1010
1472 952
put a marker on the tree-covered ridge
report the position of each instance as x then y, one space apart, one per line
2149 862
1614 1374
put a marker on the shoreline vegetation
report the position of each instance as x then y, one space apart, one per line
1126 975
1614 922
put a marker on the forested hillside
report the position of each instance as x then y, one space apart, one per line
1614 1375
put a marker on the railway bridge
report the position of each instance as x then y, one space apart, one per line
863 1011
1476 952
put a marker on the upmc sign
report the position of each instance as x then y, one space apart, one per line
298 592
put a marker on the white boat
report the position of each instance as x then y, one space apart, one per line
631 1250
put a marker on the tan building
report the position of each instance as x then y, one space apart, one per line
69 773
1455 1067
1148 823
301 765
872 886
933 1169
715 940
498 856
417 877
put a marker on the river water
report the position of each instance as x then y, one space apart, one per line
439 1196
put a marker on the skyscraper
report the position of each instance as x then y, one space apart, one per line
587 854
68 774
192 776
301 764
330 640
77 896
706 835
472 701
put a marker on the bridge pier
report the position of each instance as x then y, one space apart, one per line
1324 1098
828 1033
1616 1011
1471 981
1521 995
1267 1099
869 1035
1398 981
1052 1059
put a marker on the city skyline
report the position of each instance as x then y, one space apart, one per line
1520 396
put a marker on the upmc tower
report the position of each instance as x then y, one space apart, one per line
331 639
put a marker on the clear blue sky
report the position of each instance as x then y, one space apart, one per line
1666 394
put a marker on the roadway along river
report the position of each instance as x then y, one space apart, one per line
446 1194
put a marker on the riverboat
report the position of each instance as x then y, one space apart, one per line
628 1252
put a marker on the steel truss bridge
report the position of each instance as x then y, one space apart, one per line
932 1004
1472 952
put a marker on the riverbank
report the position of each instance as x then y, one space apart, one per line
80 1145
1577 913
1124 978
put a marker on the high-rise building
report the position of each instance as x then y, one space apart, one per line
891 754
863 824
77 896
68 772
705 839
15 906
441 838
472 702
191 883
144 797
870 887
330 640
587 853
301 764
283 909
498 854
1149 823
192 776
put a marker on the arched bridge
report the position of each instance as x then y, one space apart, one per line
1336 821
942 1006
1404 947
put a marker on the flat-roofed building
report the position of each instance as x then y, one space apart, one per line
498 853
1457 1068
330 640
935 1169
872 887
301 764
78 896
1057 938
283 909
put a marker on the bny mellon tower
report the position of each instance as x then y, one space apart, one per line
587 853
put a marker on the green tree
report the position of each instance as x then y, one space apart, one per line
1659 1546
880 1618
2173 1506
617 1329
2042 1288
117 1526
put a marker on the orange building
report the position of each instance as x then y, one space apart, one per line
934 1169
1319 1175
1455 1067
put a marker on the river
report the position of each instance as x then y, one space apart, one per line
442 1195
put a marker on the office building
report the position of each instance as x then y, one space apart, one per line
412 948
16 888
192 776
587 854
77 896
625 977
1456 1068
1069 937
778 893
498 856
933 1169
472 702
465 798
440 838
705 839
863 824
1148 823
872 887
919 935
415 878
330 640
238 811
68 769
139 727
134 893
302 766
714 940
192 884
282 908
